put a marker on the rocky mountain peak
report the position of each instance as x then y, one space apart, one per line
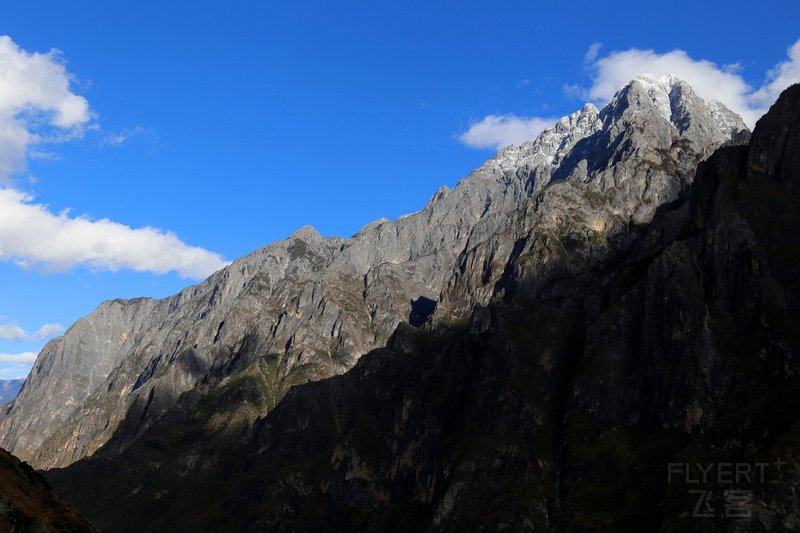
778 142
309 307
677 102
306 233
551 145
605 353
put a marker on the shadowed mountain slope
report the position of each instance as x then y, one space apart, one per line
28 505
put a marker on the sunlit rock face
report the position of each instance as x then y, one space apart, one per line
309 307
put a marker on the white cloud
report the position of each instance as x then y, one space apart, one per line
16 371
783 75
31 235
123 137
48 330
613 71
709 80
592 51
24 357
118 138
498 131
12 332
36 104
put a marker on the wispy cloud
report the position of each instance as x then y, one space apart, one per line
592 51
123 137
24 357
17 370
32 235
48 330
611 72
779 78
12 332
723 83
498 131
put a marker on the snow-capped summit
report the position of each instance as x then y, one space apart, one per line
679 104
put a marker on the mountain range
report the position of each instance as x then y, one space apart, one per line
537 348
9 388
309 307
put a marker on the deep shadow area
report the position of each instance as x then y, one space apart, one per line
421 309
28 504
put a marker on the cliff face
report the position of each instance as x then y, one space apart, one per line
580 371
590 393
27 503
308 307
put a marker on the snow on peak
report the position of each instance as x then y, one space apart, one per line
553 143
515 168
666 82
659 90
673 97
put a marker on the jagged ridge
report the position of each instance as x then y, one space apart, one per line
309 307
558 406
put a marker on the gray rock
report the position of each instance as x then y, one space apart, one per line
312 305
561 405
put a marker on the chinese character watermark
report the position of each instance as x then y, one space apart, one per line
733 481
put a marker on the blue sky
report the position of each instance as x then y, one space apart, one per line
231 125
